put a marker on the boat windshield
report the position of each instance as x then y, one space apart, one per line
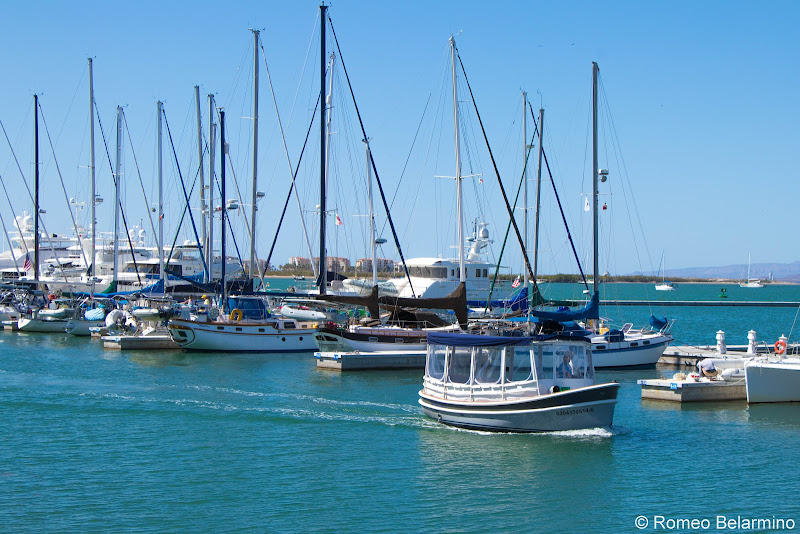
566 361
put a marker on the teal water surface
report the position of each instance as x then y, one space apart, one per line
104 441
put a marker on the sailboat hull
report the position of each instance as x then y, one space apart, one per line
240 337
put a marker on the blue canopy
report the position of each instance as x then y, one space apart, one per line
473 340
590 311
516 302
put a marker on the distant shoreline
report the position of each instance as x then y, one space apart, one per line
607 280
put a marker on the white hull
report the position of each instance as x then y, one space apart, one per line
665 287
80 327
773 381
629 353
240 337
42 325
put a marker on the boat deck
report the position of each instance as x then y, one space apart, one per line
348 361
151 342
693 391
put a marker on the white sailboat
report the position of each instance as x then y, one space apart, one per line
751 282
665 285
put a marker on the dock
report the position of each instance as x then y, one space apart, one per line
348 361
683 390
151 342
722 303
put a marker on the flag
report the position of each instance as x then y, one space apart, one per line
605 206
586 205
28 263
480 180
338 220
516 283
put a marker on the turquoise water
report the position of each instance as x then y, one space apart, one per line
103 441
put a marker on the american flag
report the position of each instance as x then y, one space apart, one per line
28 265
516 282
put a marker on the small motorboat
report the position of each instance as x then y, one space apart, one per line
514 383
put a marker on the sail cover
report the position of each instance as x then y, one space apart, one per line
590 311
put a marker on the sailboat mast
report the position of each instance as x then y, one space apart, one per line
203 207
255 158
93 268
117 180
525 181
224 207
323 267
459 206
159 105
538 197
36 188
371 218
595 173
211 149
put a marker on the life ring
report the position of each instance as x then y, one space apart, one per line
236 315
780 346
52 296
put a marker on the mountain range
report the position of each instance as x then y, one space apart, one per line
787 272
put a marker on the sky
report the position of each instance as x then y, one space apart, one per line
698 122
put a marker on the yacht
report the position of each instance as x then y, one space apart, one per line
439 277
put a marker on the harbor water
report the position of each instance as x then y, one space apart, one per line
109 441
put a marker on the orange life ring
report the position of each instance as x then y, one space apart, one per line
780 346
52 296
236 315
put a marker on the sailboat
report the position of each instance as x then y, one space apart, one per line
243 323
664 285
751 282
626 347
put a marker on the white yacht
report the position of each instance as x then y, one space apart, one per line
439 277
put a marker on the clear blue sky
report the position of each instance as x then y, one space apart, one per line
702 96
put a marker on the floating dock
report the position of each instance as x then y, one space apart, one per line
694 303
348 361
151 342
690 390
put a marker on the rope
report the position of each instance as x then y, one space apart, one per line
372 162
185 196
63 187
138 172
122 211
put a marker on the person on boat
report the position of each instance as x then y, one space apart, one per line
707 368
565 369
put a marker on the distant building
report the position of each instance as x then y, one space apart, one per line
364 265
300 263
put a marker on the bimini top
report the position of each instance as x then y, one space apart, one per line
475 340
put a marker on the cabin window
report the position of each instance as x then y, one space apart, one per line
477 273
458 369
288 325
238 328
518 365
435 363
261 330
486 273
452 272
567 361
488 364
645 342
634 344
